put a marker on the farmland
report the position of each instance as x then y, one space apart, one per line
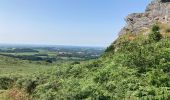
24 60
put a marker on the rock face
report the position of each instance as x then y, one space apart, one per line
156 11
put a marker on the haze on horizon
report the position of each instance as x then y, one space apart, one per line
64 22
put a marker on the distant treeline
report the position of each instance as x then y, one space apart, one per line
19 50
31 57
82 56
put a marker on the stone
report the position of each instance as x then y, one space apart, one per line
156 11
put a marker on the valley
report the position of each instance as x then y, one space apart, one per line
27 60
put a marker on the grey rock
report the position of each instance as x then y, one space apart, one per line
156 11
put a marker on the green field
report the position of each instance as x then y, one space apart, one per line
12 66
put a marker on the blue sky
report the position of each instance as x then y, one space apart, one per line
64 22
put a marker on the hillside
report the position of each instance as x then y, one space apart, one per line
138 69
135 66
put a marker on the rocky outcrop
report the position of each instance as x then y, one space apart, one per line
156 11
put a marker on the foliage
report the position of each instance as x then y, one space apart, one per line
5 82
16 94
155 33
138 69
110 48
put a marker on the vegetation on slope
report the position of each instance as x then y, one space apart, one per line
137 68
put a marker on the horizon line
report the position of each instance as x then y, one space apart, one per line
49 45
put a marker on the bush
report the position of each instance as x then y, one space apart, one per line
155 33
110 48
28 84
5 83
139 69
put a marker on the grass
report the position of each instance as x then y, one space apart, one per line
139 69
2 94
165 29
12 66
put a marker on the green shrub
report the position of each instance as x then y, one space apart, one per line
155 33
28 85
5 82
139 69
110 48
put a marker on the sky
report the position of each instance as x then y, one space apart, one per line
65 22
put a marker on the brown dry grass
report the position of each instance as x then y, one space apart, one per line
3 95
16 94
164 29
